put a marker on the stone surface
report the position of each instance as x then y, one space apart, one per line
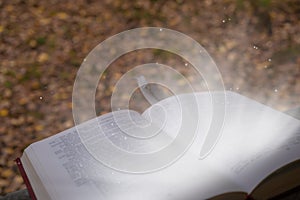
19 195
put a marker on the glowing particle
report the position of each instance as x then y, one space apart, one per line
160 29
223 21
269 59
41 97
185 64
275 90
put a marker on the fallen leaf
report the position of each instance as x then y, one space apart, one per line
62 15
7 173
43 57
3 112
39 127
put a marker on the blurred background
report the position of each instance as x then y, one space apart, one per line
255 44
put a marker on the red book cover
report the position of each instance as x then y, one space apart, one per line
25 178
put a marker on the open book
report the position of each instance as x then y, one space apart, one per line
256 154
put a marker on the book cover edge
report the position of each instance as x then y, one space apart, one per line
25 178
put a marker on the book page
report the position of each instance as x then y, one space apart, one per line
34 180
169 115
69 171
255 139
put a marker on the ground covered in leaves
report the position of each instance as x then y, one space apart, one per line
255 44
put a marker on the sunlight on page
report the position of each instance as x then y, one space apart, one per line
255 141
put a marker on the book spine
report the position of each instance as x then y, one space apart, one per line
249 197
25 178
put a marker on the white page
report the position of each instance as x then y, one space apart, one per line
170 112
34 179
255 140
68 171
